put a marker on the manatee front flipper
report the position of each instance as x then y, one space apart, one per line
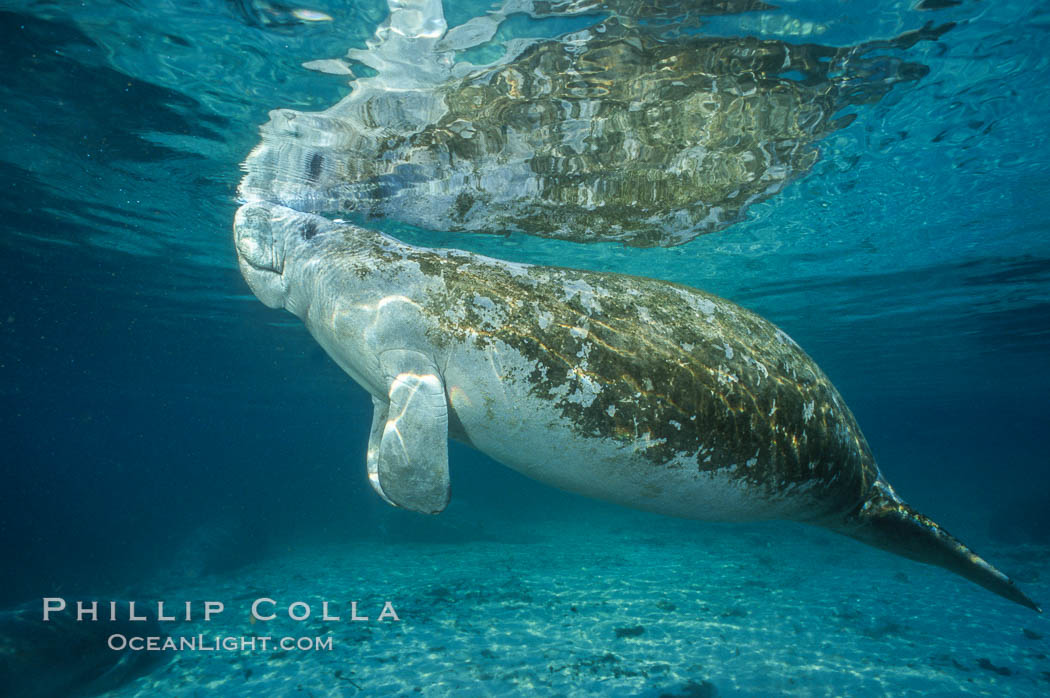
380 408
408 445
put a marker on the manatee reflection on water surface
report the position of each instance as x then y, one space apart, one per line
634 129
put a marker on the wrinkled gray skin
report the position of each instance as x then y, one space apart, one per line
632 390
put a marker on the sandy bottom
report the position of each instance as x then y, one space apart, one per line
629 605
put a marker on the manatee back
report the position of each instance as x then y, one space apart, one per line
694 377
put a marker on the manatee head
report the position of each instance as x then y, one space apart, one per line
267 236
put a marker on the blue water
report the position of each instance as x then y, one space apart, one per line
158 421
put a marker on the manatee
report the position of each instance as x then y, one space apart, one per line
637 391
612 133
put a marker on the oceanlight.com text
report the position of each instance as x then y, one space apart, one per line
217 643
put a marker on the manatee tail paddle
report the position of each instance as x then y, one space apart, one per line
884 521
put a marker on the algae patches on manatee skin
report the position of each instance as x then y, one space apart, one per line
574 340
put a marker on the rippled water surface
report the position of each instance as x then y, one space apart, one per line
872 179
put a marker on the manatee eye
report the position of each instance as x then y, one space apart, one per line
309 231
313 169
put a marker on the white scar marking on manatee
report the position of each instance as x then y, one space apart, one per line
587 294
759 366
487 312
706 307
725 377
517 270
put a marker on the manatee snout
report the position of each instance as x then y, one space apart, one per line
267 237
259 255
